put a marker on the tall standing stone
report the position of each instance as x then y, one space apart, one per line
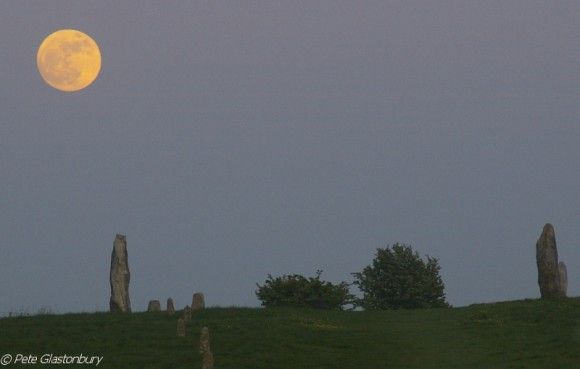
547 260
204 350
120 276
154 306
563 278
170 307
198 301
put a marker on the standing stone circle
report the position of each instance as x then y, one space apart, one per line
198 301
547 261
154 306
204 350
170 307
119 276
180 327
563 278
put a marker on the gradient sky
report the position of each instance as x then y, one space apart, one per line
229 140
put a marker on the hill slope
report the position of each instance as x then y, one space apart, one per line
521 334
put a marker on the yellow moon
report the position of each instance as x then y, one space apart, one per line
69 60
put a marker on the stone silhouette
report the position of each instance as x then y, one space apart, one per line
204 350
186 313
563 278
198 302
180 327
547 260
120 276
154 306
170 307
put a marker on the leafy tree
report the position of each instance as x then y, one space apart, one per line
399 279
299 291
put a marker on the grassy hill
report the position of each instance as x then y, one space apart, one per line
520 334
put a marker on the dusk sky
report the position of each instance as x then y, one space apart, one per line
232 140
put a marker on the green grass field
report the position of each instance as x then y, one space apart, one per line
521 334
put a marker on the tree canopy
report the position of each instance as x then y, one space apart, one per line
399 279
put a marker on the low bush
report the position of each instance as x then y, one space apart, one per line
298 291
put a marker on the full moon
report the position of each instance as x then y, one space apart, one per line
68 60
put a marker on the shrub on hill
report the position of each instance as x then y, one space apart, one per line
399 279
298 291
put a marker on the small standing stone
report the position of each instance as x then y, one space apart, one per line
547 261
180 327
563 278
204 350
198 302
170 307
186 313
154 306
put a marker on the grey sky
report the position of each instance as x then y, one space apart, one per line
229 140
